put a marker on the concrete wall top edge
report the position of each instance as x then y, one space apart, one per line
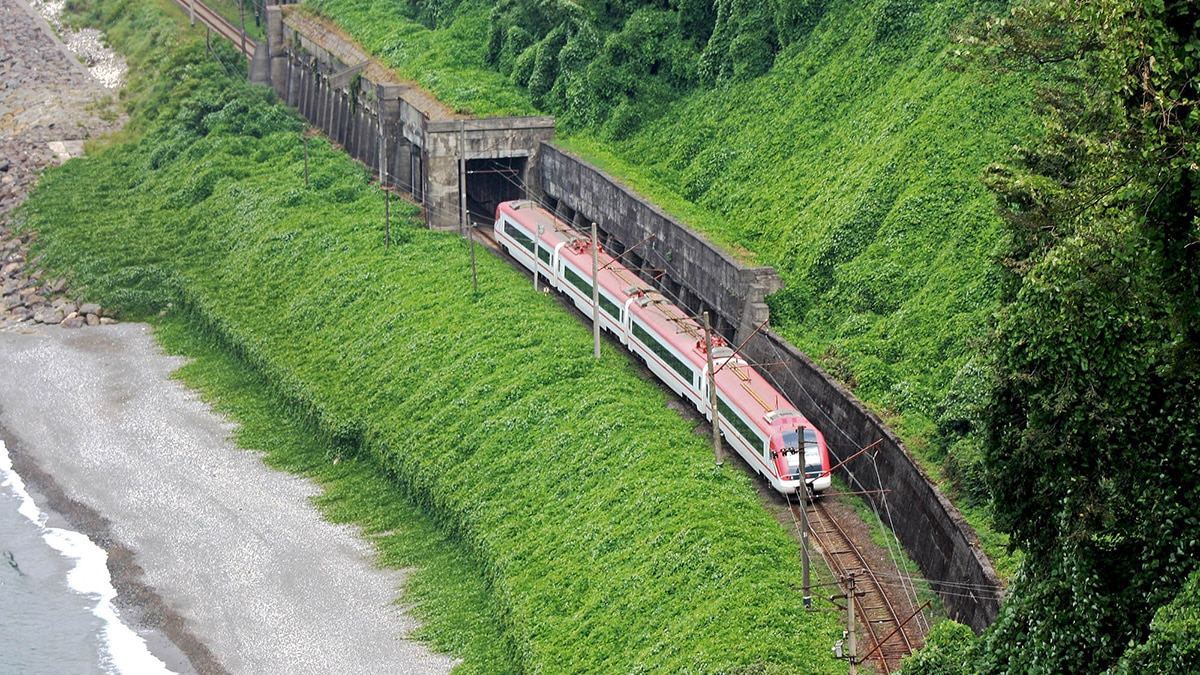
539 122
347 52
725 256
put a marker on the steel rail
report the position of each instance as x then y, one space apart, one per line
875 610
220 25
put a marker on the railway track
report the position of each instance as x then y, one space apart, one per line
887 638
219 25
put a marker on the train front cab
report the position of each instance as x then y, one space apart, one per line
798 449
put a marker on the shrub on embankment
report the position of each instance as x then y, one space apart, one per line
593 511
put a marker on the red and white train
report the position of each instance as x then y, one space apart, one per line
756 420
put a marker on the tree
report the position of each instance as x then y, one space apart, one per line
1092 445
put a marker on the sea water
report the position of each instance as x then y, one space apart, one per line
56 610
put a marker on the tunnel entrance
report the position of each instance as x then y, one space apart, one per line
491 181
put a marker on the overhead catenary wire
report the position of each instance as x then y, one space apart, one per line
883 512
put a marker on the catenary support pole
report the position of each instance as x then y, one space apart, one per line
595 292
242 21
462 177
712 393
474 274
852 651
804 560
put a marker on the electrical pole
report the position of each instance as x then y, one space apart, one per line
462 176
804 562
595 291
474 275
383 177
464 218
852 652
242 20
192 5
712 393
537 246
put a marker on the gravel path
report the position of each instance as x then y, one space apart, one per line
227 561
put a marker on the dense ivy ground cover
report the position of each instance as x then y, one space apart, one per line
442 585
847 155
844 142
605 537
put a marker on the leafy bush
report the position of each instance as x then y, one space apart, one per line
1174 642
948 650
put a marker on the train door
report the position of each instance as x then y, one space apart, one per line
705 398
557 266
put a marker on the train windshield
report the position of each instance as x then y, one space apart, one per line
791 439
812 454
791 454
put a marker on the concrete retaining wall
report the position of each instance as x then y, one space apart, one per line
702 277
405 136
931 529
414 143
698 275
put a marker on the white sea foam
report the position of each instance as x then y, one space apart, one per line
126 651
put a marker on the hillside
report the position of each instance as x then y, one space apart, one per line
547 472
849 157
1045 354
993 244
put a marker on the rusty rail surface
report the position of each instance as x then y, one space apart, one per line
888 638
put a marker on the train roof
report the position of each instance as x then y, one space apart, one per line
740 383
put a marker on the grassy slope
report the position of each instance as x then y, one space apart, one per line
450 62
442 586
852 166
579 496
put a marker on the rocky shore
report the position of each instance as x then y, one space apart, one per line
26 297
50 104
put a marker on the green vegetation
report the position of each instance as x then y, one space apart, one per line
248 13
449 62
846 152
1043 362
588 510
1093 429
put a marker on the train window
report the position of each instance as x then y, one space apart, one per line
744 430
522 238
544 254
791 439
812 454
578 281
661 350
609 306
